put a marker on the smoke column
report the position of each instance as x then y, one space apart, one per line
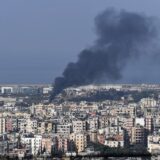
119 37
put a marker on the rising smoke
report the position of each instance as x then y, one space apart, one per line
119 37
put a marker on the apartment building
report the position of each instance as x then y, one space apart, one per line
63 129
41 127
63 144
110 131
153 144
2 125
93 123
22 124
80 140
115 141
31 125
32 142
148 102
93 136
79 126
138 135
8 125
149 124
123 110
47 144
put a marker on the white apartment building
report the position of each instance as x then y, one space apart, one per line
113 143
6 90
47 90
33 143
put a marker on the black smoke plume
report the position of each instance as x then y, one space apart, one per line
119 37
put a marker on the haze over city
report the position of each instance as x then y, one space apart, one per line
79 79
39 38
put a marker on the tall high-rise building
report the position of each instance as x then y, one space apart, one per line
138 135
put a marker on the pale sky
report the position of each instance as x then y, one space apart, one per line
39 37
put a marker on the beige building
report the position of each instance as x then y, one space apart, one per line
63 144
123 110
31 125
129 123
44 127
148 102
80 140
48 127
47 144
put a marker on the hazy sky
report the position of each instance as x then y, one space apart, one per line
39 37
